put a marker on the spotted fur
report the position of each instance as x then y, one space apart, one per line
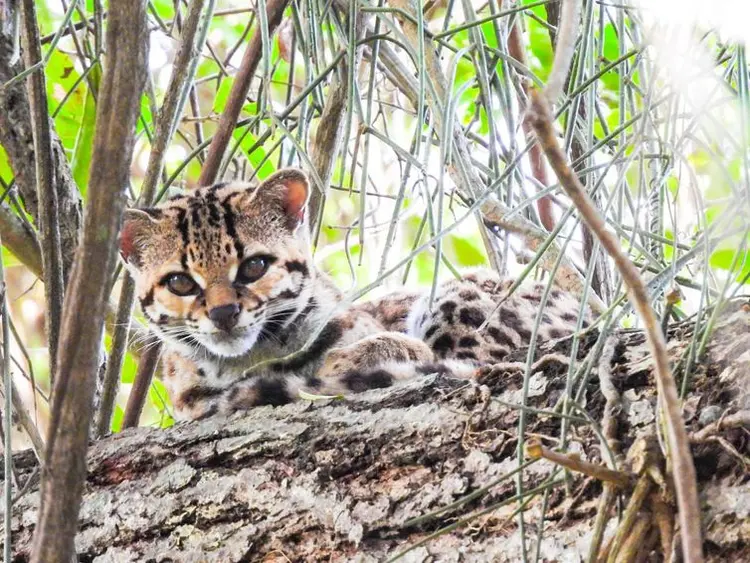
226 280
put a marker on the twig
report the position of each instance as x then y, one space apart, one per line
326 145
536 157
183 72
17 138
609 430
54 286
739 419
635 540
567 34
664 518
679 446
21 240
117 110
535 450
606 500
7 418
639 496
238 93
141 383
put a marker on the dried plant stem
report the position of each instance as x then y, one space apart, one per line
679 446
10 394
536 157
137 398
564 49
326 145
640 494
740 419
54 287
183 72
17 138
118 106
238 93
617 478
634 542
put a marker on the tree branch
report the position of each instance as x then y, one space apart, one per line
118 108
49 228
238 93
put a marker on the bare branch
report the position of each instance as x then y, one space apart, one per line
20 239
54 285
17 139
326 145
567 35
238 93
118 107
137 398
536 157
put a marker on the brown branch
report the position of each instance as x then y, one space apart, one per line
535 450
137 398
536 157
567 35
54 285
326 145
180 83
739 419
118 107
238 93
679 445
20 239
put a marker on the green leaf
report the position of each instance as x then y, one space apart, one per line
465 252
312 397
84 147
61 77
723 259
117 418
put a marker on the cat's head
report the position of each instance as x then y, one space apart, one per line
221 267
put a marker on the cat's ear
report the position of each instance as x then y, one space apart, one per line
286 191
137 226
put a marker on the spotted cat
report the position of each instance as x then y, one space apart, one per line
226 280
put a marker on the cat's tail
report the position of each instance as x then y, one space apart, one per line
391 373
279 390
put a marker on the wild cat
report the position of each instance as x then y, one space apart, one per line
226 280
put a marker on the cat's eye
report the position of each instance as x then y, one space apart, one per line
253 269
181 284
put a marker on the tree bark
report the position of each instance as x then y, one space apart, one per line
338 480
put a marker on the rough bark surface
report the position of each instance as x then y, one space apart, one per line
338 480
17 139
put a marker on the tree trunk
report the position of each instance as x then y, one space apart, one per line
338 480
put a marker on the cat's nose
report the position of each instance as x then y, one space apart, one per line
225 317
